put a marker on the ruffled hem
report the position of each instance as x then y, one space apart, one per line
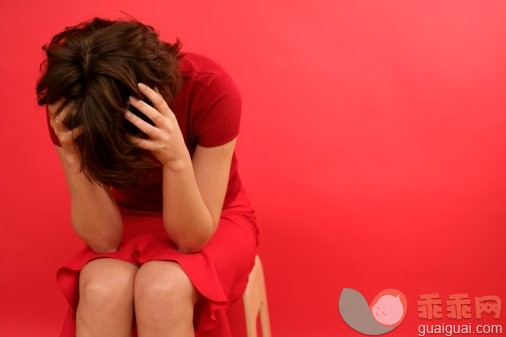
138 248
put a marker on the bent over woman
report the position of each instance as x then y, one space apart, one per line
146 137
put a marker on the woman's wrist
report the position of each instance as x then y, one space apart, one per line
72 159
180 164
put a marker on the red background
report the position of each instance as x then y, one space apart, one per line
372 146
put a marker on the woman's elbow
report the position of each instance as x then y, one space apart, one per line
194 240
103 248
190 247
194 244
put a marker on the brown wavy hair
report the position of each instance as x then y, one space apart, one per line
96 65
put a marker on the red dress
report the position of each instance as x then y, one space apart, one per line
208 109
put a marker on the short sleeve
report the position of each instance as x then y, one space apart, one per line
52 134
217 110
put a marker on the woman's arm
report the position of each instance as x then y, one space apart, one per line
95 215
193 195
193 190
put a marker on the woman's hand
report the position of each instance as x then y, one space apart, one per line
65 136
165 140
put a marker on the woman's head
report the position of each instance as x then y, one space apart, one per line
95 66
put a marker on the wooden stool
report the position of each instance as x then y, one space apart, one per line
255 302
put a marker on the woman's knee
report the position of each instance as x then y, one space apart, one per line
106 281
163 283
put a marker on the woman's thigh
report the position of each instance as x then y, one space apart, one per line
164 300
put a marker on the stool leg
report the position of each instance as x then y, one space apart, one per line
264 307
264 319
250 316
255 302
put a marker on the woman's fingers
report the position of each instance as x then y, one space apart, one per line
165 140
63 114
145 144
69 136
155 113
154 96
142 125
146 109
64 135
76 132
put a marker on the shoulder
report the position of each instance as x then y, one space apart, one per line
202 71
209 102
200 64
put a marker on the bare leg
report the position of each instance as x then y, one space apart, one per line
106 299
164 299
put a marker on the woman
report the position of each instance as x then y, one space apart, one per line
146 138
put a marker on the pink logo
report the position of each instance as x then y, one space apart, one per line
389 307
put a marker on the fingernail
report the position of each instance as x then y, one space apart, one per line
132 99
141 85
